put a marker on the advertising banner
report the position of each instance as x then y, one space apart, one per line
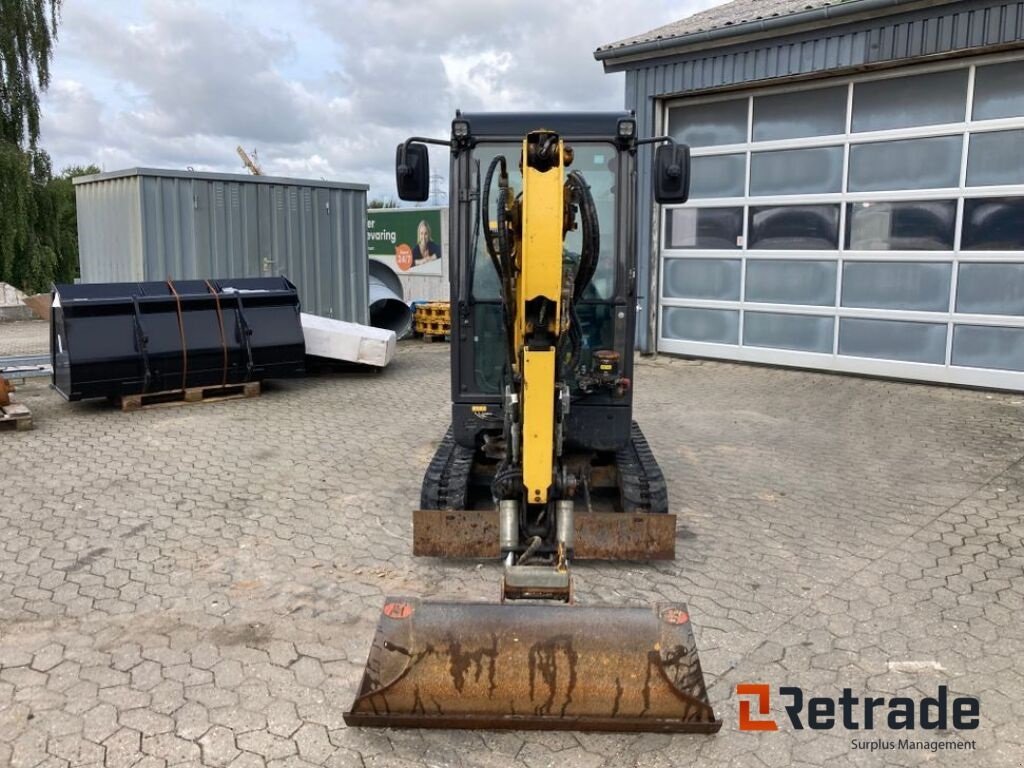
407 239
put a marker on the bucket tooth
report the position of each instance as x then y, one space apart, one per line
531 666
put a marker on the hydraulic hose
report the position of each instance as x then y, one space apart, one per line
502 257
485 213
580 195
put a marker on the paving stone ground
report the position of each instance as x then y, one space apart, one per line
199 585
24 337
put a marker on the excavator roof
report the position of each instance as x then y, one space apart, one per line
484 125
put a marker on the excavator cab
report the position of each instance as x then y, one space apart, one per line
543 464
605 309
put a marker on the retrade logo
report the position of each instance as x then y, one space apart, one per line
762 695
855 713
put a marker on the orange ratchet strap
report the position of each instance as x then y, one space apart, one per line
181 330
223 340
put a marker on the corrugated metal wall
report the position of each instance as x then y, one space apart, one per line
939 30
168 232
110 231
190 226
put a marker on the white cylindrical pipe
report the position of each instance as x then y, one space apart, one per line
565 530
508 524
387 308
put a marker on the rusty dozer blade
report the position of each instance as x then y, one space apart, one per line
533 666
598 535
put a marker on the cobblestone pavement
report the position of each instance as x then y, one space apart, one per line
24 337
199 585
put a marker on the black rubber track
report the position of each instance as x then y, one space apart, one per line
642 485
641 482
446 483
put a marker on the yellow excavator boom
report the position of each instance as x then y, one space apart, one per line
540 280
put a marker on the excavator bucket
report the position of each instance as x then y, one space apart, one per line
533 666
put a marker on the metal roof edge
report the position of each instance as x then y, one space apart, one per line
733 32
409 208
170 173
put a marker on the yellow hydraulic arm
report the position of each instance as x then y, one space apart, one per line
538 305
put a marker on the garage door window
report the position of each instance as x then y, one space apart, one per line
796 171
718 176
906 102
997 91
994 224
794 227
790 281
918 225
907 164
991 289
996 158
818 112
709 125
705 228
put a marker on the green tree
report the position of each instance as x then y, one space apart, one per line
28 29
16 202
31 253
62 190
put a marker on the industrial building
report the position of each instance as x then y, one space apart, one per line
857 186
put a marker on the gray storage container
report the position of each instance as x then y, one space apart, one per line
147 224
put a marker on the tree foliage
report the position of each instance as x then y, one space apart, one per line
38 222
28 29
38 228
62 191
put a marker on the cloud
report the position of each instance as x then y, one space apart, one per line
322 88
197 72
72 114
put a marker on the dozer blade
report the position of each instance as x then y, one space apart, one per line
598 535
533 666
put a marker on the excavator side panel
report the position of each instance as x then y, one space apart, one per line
532 666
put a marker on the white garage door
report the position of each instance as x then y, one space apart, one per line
873 225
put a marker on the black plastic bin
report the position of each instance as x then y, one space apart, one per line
116 339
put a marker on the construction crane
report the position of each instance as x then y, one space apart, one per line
438 193
249 162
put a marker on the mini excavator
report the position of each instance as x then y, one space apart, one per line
543 464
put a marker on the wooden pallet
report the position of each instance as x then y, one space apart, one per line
433 311
433 328
188 396
15 416
436 337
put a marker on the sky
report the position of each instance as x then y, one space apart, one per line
318 88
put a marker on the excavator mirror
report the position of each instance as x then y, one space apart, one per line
672 174
412 172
